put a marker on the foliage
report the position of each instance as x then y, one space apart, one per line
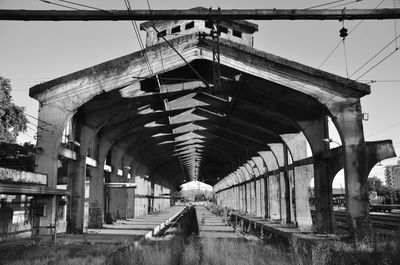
375 184
61 254
12 117
17 156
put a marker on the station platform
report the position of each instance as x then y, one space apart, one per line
146 226
122 231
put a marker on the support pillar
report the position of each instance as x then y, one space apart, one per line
349 122
51 122
315 131
78 179
96 190
274 198
116 207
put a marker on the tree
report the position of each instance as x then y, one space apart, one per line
12 117
375 184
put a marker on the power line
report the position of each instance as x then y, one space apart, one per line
137 33
395 23
379 81
329 3
373 57
378 63
51 3
183 58
337 46
384 129
345 58
355 1
82 5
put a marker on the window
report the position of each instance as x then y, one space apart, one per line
223 29
208 24
189 25
162 33
176 29
237 33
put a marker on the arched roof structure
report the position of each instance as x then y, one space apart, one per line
176 123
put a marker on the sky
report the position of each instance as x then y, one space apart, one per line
35 52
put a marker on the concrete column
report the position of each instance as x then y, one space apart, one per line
249 165
274 199
281 153
236 198
254 197
297 144
262 197
349 123
130 211
137 194
258 196
116 196
315 131
244 192
78 179
51 122
270 164
248 198
303 176
96 190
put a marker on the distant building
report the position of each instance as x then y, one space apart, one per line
392 174
196 190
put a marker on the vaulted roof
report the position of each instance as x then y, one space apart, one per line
178 124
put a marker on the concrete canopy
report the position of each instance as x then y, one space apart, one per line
182 127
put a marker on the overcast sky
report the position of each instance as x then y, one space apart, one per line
34 52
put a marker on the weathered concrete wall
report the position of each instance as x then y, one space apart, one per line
11 175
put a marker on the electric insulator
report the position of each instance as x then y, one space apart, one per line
343 32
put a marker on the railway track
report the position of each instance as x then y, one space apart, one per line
385 224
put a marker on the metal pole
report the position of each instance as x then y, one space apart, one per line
201 14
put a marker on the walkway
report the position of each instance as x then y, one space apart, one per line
138 227
119 232
211 225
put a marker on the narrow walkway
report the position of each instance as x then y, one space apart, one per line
211 225
119 232
139 226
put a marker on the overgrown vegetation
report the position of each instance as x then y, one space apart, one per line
329 252
38 254
12 117
200 251
17 156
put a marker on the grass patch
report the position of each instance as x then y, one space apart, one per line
330 252
200 251
57 255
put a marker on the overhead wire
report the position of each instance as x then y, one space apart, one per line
378 63
194 70
340 42
384 129
61 5
139 39
325 4
351 2
395 24
374 56
337 93
87 6
30 116
379 81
